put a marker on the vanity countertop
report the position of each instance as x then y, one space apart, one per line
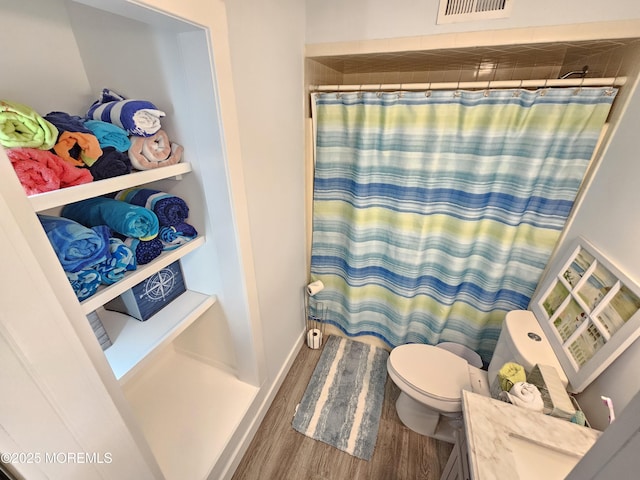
493 428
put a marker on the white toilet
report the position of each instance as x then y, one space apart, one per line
431 379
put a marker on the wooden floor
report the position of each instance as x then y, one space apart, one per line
279 452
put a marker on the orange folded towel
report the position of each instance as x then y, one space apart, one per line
89 146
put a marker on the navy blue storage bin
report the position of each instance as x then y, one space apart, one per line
151 295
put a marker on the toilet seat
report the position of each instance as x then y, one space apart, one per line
431 372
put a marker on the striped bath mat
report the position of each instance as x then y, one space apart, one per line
343 401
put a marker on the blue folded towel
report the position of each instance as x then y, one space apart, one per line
138 117
170 210
109 135
76 246
128 220
67 123
122 260
145 251
110 164
84 282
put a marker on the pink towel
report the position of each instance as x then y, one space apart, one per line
41 171
155 151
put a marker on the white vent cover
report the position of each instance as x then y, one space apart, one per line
451 11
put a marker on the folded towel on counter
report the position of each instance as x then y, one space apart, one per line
122 260
41 171
109 135
84 282
155 151
121 217
111 163
78 148
525 395
145 251
508 374
138 117
21 126
67 123
76 246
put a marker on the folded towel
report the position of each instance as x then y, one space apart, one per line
41 171
155 151
67 123
109 135
77 247
21 126
145 251
509 374
138 117
525 395
172 238
78 148
122 260
111 163
84 282
128 220
171 210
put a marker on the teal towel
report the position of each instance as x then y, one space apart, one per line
109 135
124 218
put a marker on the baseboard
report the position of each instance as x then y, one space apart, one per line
227 471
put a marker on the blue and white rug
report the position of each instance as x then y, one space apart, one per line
343 401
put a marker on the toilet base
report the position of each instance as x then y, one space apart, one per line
417 417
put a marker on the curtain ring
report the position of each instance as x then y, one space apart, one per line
486 90
612 88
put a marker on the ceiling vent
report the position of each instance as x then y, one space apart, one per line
451 11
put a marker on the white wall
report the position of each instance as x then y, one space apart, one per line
340 21
266 41
609 216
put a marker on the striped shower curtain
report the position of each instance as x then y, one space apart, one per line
435 213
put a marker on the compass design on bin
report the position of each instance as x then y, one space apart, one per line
159 286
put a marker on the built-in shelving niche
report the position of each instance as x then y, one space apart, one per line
178 371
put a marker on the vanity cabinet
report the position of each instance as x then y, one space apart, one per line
457 467
184 380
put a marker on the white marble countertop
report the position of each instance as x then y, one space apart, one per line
490 426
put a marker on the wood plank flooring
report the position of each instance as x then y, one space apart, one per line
279 452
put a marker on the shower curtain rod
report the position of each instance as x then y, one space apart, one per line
478 85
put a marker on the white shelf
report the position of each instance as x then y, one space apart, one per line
64 196
188 411
133 340
104 294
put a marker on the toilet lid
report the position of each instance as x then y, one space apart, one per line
433 371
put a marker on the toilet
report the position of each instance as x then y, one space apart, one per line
431 378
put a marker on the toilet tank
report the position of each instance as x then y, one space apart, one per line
522 341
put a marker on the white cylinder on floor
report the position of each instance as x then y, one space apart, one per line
314 339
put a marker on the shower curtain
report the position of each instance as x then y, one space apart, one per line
436 212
